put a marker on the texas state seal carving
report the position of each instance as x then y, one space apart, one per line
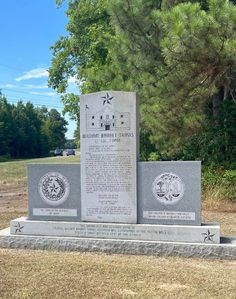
54 188
168 188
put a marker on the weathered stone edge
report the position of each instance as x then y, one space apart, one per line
209 251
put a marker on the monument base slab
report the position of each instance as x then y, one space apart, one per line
225 250
206 233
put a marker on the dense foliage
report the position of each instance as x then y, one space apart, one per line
179 56
27 131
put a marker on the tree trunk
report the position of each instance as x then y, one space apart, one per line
219 116
217 100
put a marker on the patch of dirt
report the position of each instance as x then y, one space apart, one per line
13 204
15 200
220 206
11 192
226 220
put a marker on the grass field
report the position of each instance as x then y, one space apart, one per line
39 275
45 274
13 174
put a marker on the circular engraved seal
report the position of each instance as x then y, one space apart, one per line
168 188
54 188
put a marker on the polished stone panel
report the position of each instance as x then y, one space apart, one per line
169 192
108 127
54 192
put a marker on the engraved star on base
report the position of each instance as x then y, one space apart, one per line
18 228
208 236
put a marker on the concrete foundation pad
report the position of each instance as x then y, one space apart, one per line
205 233
225 250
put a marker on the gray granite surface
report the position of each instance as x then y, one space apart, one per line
54 192
206 233
169 192
109 146
225 250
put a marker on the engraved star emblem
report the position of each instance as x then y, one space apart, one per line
18 228
208 236
107 99
53 188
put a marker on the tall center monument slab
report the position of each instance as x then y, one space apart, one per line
108 128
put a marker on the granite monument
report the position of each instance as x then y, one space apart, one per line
108 127
111 199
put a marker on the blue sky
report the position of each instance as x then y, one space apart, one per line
27 30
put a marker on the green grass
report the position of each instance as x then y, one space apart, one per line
219 185
14 173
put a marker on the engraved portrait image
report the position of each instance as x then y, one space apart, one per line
53 188
107 119
168 188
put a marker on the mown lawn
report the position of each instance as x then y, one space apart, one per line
38 274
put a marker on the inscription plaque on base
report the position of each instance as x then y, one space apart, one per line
209 233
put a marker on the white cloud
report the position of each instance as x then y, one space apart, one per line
35 73
34 86
8 86
48 94
74 85
71 80
75 81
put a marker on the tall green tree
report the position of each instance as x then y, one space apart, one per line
193 64
179 57
26 131
200 67
54 127
6 126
